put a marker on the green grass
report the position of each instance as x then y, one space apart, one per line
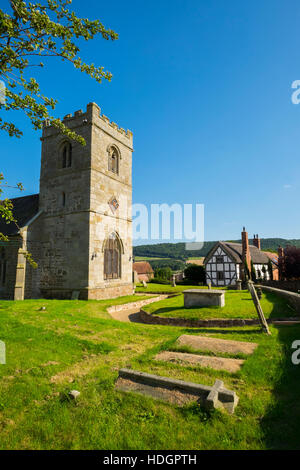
77 345
238 304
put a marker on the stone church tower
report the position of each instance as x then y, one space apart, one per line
81 234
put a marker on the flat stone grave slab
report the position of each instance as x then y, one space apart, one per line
204 343
217 363
177 392
204 297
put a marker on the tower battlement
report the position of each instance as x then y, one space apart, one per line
92 113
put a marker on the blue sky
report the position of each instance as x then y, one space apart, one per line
205 86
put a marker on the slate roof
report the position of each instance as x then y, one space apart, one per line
24 209
234 250
142 267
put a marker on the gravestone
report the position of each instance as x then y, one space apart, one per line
177 391
144 284
213 362
173 281
216 345
75 294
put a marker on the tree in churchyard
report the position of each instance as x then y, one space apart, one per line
163 274
291 262
30 34
195 273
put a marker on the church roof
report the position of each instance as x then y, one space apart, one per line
25 208
234 250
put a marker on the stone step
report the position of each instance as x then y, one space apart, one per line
204 343
177 392
217 363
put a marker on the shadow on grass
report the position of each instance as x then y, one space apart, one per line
281 307
281 423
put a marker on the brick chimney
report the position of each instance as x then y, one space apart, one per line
256 241
280 262
246 257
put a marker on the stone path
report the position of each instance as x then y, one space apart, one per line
204 343
217 363
130 315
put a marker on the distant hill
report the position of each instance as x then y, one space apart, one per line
178 251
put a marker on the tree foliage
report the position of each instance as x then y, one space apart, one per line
291 262
163 274
195 273
30 34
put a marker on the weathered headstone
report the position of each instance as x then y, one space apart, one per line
75 294
173 280
217 363
177 391
144 283
238 284
216 345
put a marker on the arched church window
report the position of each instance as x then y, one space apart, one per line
113 160
112 257
67 155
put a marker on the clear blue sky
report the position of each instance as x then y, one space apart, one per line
205 86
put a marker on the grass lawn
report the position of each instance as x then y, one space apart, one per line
238 304
77 345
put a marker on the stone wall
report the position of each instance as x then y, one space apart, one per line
293 286
292 297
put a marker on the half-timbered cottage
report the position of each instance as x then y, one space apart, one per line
226 261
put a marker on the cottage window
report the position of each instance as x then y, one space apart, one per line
112 257
219 259
113 160
66 155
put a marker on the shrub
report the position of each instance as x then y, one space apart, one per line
164 274
195 273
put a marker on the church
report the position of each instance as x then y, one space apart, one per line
78 229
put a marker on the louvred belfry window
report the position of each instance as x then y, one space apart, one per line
112 258
113 160
67 155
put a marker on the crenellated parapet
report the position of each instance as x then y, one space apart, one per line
91 115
